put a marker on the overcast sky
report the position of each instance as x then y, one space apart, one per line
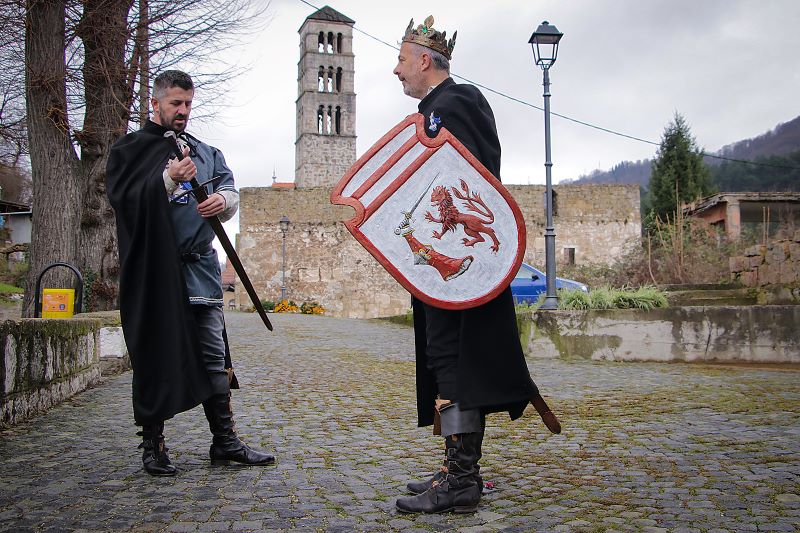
730 67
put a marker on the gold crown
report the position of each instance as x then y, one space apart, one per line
425 35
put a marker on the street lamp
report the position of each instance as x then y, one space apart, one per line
284 224
544 43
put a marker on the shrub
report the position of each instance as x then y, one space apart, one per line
268 305
604 298
574 299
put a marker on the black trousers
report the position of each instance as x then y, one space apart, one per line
443 334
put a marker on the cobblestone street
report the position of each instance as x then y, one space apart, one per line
645 447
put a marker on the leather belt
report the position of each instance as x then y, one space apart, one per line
194 255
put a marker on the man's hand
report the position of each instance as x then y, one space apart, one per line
214 205
182 170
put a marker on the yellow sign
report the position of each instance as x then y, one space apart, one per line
58 303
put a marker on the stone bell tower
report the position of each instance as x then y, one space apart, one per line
326 101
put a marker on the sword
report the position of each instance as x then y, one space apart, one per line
408 214
201 195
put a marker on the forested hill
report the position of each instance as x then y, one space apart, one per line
784 139
779 147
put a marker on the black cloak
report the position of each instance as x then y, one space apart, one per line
169 376
492 373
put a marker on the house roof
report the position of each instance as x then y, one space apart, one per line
283 185
328 14
229 274
708 202
13 207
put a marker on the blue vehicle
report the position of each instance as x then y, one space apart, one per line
530 282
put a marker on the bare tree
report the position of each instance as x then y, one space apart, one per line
87 68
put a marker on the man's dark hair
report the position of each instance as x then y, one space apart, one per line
169 79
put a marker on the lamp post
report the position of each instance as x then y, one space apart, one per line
544 43
284 223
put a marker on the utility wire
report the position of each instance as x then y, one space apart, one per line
565 117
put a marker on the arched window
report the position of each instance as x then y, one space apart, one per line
321 43
321 79
339 80
338 120
330 42
320 122
329 122
330 79
339 43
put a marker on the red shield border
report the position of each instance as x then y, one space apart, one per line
362 213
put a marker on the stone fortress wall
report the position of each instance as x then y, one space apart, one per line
325 263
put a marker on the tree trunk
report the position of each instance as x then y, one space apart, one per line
54 163
103 31
143 41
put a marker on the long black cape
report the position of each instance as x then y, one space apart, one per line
169 376
492 373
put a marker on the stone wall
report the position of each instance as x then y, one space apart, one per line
325 263
332 156
597 221
45 361
776 263
750 334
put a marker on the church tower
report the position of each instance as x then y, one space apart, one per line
326 101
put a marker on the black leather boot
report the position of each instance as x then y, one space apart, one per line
154 458
418 487
459 490
226 446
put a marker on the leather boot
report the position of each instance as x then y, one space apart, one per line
418 487
226 446
458 491
154 458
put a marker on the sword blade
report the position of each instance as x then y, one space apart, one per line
425 192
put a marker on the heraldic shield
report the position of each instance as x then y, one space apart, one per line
434 217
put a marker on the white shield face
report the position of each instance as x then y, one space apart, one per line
434 217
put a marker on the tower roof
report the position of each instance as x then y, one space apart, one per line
328 14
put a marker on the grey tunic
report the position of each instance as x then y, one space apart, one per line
192 233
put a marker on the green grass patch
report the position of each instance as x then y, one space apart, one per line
5 288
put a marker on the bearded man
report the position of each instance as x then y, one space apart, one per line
170 286
469 362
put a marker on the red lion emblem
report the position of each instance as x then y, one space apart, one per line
450 217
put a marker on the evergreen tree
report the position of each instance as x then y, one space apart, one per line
678 174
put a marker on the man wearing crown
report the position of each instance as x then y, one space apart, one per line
469 362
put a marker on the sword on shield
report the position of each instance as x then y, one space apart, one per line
201 195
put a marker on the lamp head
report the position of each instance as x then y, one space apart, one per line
544 43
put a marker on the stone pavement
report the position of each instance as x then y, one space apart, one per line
646 446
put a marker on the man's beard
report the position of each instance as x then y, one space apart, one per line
169 123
